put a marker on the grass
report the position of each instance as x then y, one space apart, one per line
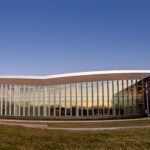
19 138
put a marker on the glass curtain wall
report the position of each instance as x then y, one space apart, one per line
98 98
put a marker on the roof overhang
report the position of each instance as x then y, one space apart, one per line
75 77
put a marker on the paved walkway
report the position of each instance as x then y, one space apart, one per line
101 129
66 121
39 126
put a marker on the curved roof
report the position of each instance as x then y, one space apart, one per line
75 77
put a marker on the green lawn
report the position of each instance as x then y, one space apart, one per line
19 138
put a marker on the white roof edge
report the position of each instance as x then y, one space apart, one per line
76 74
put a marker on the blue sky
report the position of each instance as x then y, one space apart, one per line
43 37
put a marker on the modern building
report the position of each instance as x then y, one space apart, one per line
100 94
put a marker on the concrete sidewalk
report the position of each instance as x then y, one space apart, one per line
101 129
66 121
39 126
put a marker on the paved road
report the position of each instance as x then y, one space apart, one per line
39 126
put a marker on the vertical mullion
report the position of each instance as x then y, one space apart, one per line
1 99
118 96
77 111
65 102
92 100
8 99
114 109
39 93
43 100
54 100
34 99
113 100
103 98
44 94
5 100
87 97
132 94
123 97
49 99
97 98
24 99
46 97
59 100
137 112
28 100
81 100
19 99
108 97
10 87
14 99
127 97
70 100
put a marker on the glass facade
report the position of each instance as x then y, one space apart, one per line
86 99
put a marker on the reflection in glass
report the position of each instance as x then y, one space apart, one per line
107 98
79 101
84 99
100 92
95 98
89 86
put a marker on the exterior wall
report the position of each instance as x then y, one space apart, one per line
86 99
